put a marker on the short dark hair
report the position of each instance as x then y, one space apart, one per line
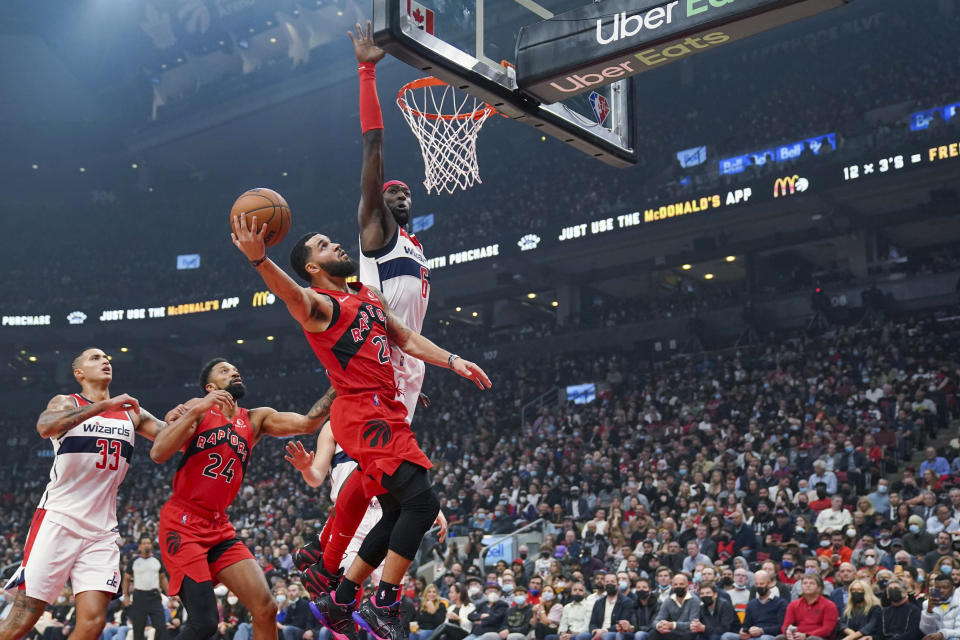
73 363
299 255
205 372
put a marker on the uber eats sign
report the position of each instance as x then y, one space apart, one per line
600 43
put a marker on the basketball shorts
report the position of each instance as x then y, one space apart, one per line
372 430
370 518
408 373
196 546
54 553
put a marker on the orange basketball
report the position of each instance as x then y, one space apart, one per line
270 209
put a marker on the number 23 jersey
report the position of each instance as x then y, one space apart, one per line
214 461
90 461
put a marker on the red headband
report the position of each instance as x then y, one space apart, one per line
390 183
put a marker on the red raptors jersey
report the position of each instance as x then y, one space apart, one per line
214 461
354 349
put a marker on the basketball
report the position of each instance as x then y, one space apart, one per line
269 207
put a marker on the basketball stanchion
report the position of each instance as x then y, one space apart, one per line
446 123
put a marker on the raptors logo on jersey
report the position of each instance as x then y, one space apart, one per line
211 471
400 271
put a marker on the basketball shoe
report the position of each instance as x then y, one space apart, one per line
335 617
382 623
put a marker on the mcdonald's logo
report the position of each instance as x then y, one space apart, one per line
790 185
263 298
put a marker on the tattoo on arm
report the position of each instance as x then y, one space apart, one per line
321 408
60 417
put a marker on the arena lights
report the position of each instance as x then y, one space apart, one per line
32 358
708 276
474 314
239 340
134 166
34 166
459 309
124 349
531 295
83 169
284 174
686 267
554 304
273 40
731 258
269 338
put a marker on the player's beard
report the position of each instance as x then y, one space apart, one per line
339 268
236 389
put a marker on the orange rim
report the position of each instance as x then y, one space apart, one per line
482 112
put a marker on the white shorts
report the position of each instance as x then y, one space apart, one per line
54 553
370 518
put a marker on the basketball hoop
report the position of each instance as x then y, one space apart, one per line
446 123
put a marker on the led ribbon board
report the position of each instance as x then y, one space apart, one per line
600 43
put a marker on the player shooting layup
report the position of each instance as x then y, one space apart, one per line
74 530
351 328
392 260
199 546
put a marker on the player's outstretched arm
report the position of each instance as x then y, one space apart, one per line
314 467
62 413
414 344
283 424
311 310
377 226
170 440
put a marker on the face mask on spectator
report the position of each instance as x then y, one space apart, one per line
706 600
914 529
824 543
698 576
547 597
643 594
232 600
857 596
281 599
577 597
680 592
895 595
763 591
787 564
492 597
824 566
611 589
518 600
848 449
869 561
473 591
624 585
851 533
710 508
507 587
882 488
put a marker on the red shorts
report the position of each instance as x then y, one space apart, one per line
373 430
195 546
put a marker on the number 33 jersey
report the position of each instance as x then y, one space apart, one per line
214 460
90 461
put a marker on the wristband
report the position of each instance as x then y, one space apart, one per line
450 360
257 263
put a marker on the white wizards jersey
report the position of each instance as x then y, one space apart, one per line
399 270
90 461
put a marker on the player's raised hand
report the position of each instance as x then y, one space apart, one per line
123 402
176 413
364 47
471 371
246 237
441 522
299 457
221 398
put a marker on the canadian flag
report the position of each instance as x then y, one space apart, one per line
421 16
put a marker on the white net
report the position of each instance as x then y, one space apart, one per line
446 123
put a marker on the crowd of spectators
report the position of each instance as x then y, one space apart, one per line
722 493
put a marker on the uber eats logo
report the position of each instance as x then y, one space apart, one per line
626 26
